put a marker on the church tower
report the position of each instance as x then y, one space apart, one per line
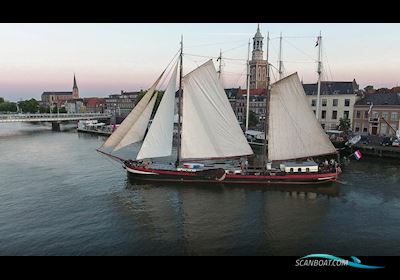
75 90
258 66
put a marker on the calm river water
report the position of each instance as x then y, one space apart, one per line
58 196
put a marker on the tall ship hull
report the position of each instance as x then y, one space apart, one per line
222 176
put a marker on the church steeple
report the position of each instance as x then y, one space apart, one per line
257 45
258 66
75 90
75 85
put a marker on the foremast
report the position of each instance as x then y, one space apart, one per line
267 98
178 158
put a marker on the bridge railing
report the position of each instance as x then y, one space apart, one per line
53 116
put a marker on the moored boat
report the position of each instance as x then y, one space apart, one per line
208 131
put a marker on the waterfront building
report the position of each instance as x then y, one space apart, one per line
60 97
377 114
232 94
256 104
337 101
121 104
94 105
74 106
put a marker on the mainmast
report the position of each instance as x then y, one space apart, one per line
280 58
220 64
248 88
179 106
267 97
319 71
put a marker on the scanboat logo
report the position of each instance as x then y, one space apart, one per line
329 260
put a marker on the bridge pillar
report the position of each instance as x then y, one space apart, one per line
55 126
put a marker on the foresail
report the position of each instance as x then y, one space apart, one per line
209 126
138 130
158 141
293 130
130 120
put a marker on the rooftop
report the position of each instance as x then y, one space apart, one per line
380 99
57 93
331 88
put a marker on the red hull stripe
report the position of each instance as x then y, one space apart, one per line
276 177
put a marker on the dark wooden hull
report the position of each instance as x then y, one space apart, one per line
155 175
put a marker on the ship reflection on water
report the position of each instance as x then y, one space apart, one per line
204 219
301 191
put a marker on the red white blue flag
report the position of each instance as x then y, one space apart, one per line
357 154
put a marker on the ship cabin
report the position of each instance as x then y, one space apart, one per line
299 167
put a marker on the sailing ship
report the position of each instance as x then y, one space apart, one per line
208 131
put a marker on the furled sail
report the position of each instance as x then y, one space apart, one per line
158 141
293 130
130 120
209 126
138 129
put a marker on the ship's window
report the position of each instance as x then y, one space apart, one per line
291 170
307 169
298 169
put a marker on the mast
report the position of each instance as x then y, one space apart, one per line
220 64
178 158
280 57
319 71
248 87
267 97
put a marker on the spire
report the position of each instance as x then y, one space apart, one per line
75 85
75 90
258 33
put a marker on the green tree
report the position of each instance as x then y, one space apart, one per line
344 124
44 109
29 106
8 107
1 100
253 119
158 100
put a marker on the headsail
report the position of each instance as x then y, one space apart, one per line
138 129
130 120
158 141
209 126
293 130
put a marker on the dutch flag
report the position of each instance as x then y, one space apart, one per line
357 154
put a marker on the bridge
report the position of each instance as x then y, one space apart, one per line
55 119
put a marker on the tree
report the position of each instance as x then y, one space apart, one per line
29 106
253 119
344 124
158 100
44 109
1 100
8 107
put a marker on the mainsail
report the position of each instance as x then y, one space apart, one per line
131 119
158 141
209 126
138 129
293 130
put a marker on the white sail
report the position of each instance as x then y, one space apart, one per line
138 129
294 131
130 120
158 141
209 126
